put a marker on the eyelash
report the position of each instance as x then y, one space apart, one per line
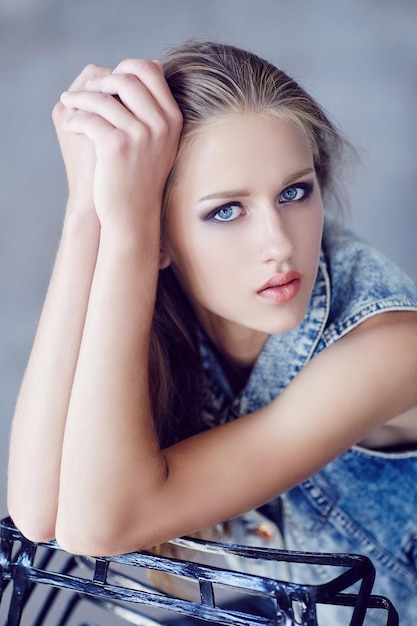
212 215
307 188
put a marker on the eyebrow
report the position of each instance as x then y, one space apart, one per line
233 193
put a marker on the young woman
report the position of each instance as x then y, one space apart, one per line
197 282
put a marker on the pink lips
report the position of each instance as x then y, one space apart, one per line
281 287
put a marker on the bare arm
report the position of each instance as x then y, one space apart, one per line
339 397
111 378
112 227
35 451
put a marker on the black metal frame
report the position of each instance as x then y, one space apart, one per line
25 566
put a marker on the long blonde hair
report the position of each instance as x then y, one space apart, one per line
209 81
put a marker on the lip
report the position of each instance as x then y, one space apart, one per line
281 287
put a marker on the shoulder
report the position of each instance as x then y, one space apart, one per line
363 282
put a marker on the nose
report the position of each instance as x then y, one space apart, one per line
276 243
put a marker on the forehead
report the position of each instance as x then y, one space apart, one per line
234 150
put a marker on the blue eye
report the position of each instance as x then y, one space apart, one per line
227 213
295 193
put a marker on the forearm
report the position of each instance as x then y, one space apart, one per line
38 426
109 436
245 463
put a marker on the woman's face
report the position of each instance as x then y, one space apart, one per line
244 230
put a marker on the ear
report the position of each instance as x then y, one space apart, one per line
164 259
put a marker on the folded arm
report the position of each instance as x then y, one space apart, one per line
142 496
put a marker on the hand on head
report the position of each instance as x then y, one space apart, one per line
132 125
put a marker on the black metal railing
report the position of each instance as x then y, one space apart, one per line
64 582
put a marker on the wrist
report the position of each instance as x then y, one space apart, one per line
138 228
142 243
81 228
80 203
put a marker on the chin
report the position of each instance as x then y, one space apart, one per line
285 324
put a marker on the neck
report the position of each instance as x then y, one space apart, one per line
238 345
236 373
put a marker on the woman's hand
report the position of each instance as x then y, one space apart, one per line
134 123
78 151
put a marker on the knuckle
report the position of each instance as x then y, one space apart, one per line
57 109
119 144
177 117
141 135
124 62
123 65
90 69
135 66
144 64
162 127
128 79
58 112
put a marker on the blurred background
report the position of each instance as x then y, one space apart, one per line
359 59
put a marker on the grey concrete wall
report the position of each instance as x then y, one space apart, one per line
358 57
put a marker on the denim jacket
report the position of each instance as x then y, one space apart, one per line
364 501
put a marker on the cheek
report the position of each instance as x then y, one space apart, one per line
191 265
193 250
206 273
313 230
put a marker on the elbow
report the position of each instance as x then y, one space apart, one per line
33 528
97 541
73 538
82 544
104 526
109 536
34 519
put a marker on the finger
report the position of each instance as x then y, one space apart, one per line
133 94
127 66
109 140
151 74
158 63
101 104
61 113
90 71
88 124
